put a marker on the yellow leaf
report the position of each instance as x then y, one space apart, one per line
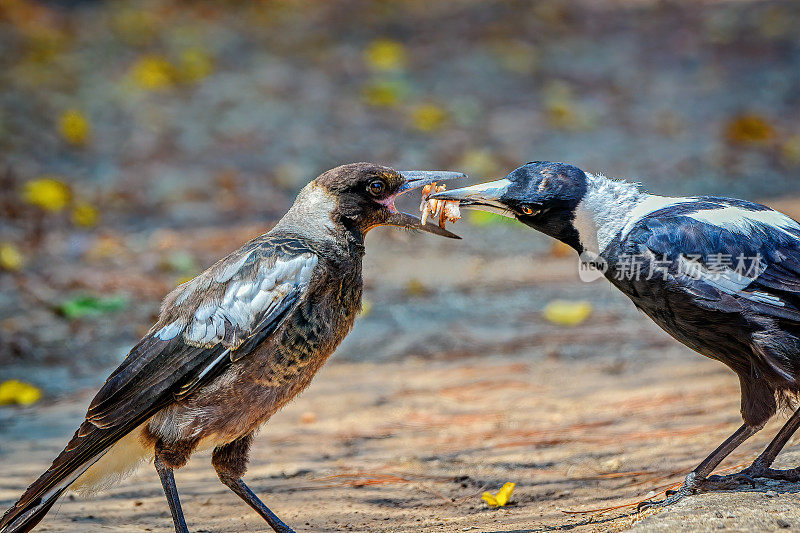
791 150
10 257
84 214
749 128
17 392
502 497
195 64
385 54
382 93
48 193
74 127
416 288
566 313
428 117
366 307
153 72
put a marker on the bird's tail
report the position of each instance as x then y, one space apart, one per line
86 448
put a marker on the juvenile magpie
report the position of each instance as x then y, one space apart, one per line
233 345
720 275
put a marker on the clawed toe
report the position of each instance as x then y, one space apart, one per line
728 482
791 475
695 485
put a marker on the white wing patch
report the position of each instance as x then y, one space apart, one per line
245 302
728 281
740 220
650 204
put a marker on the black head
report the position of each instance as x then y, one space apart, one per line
541 194
364 195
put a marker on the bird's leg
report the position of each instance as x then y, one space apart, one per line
230 462
761 466
697 480
171 492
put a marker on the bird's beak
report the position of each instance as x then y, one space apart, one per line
484 196
414 179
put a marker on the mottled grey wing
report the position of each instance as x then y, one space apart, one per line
224 324
225 313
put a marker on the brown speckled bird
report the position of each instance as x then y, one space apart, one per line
233 345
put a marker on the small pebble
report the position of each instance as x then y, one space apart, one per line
770 494
783 523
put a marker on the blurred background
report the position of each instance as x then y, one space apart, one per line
141 141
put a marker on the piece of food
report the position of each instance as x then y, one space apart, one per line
445 210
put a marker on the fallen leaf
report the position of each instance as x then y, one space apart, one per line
84 214
153 72
74 127
428 117
10 257
791 150
416 288
567 313
366 307
88 305
501 498
48 193
195 64
385 54
14 392
749 128
383 93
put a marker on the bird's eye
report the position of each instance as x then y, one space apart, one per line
376 187
527 210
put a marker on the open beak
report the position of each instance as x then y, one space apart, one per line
484 196
414 179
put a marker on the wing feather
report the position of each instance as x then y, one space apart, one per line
205 325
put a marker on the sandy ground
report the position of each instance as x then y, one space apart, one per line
453 384
410 446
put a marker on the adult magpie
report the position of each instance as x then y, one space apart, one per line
720 275
233 345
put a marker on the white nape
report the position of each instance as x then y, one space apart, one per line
740 220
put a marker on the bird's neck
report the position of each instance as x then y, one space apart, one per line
314 217
604 211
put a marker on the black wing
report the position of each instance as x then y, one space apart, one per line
205 325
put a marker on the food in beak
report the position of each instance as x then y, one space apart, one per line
446 210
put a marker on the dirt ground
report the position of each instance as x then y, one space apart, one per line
486 391
201 121
410 446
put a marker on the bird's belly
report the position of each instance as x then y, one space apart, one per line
726 337
260 383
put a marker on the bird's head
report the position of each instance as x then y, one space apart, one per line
541 194
361 196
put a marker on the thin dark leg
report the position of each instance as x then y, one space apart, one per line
761 466
724 450
697 478
243 491
230 462
171 492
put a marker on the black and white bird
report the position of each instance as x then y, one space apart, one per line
233 345
720 275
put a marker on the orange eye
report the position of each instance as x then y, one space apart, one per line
527 210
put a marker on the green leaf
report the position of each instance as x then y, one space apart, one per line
88 305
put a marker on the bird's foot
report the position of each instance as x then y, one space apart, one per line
756 471
695 485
